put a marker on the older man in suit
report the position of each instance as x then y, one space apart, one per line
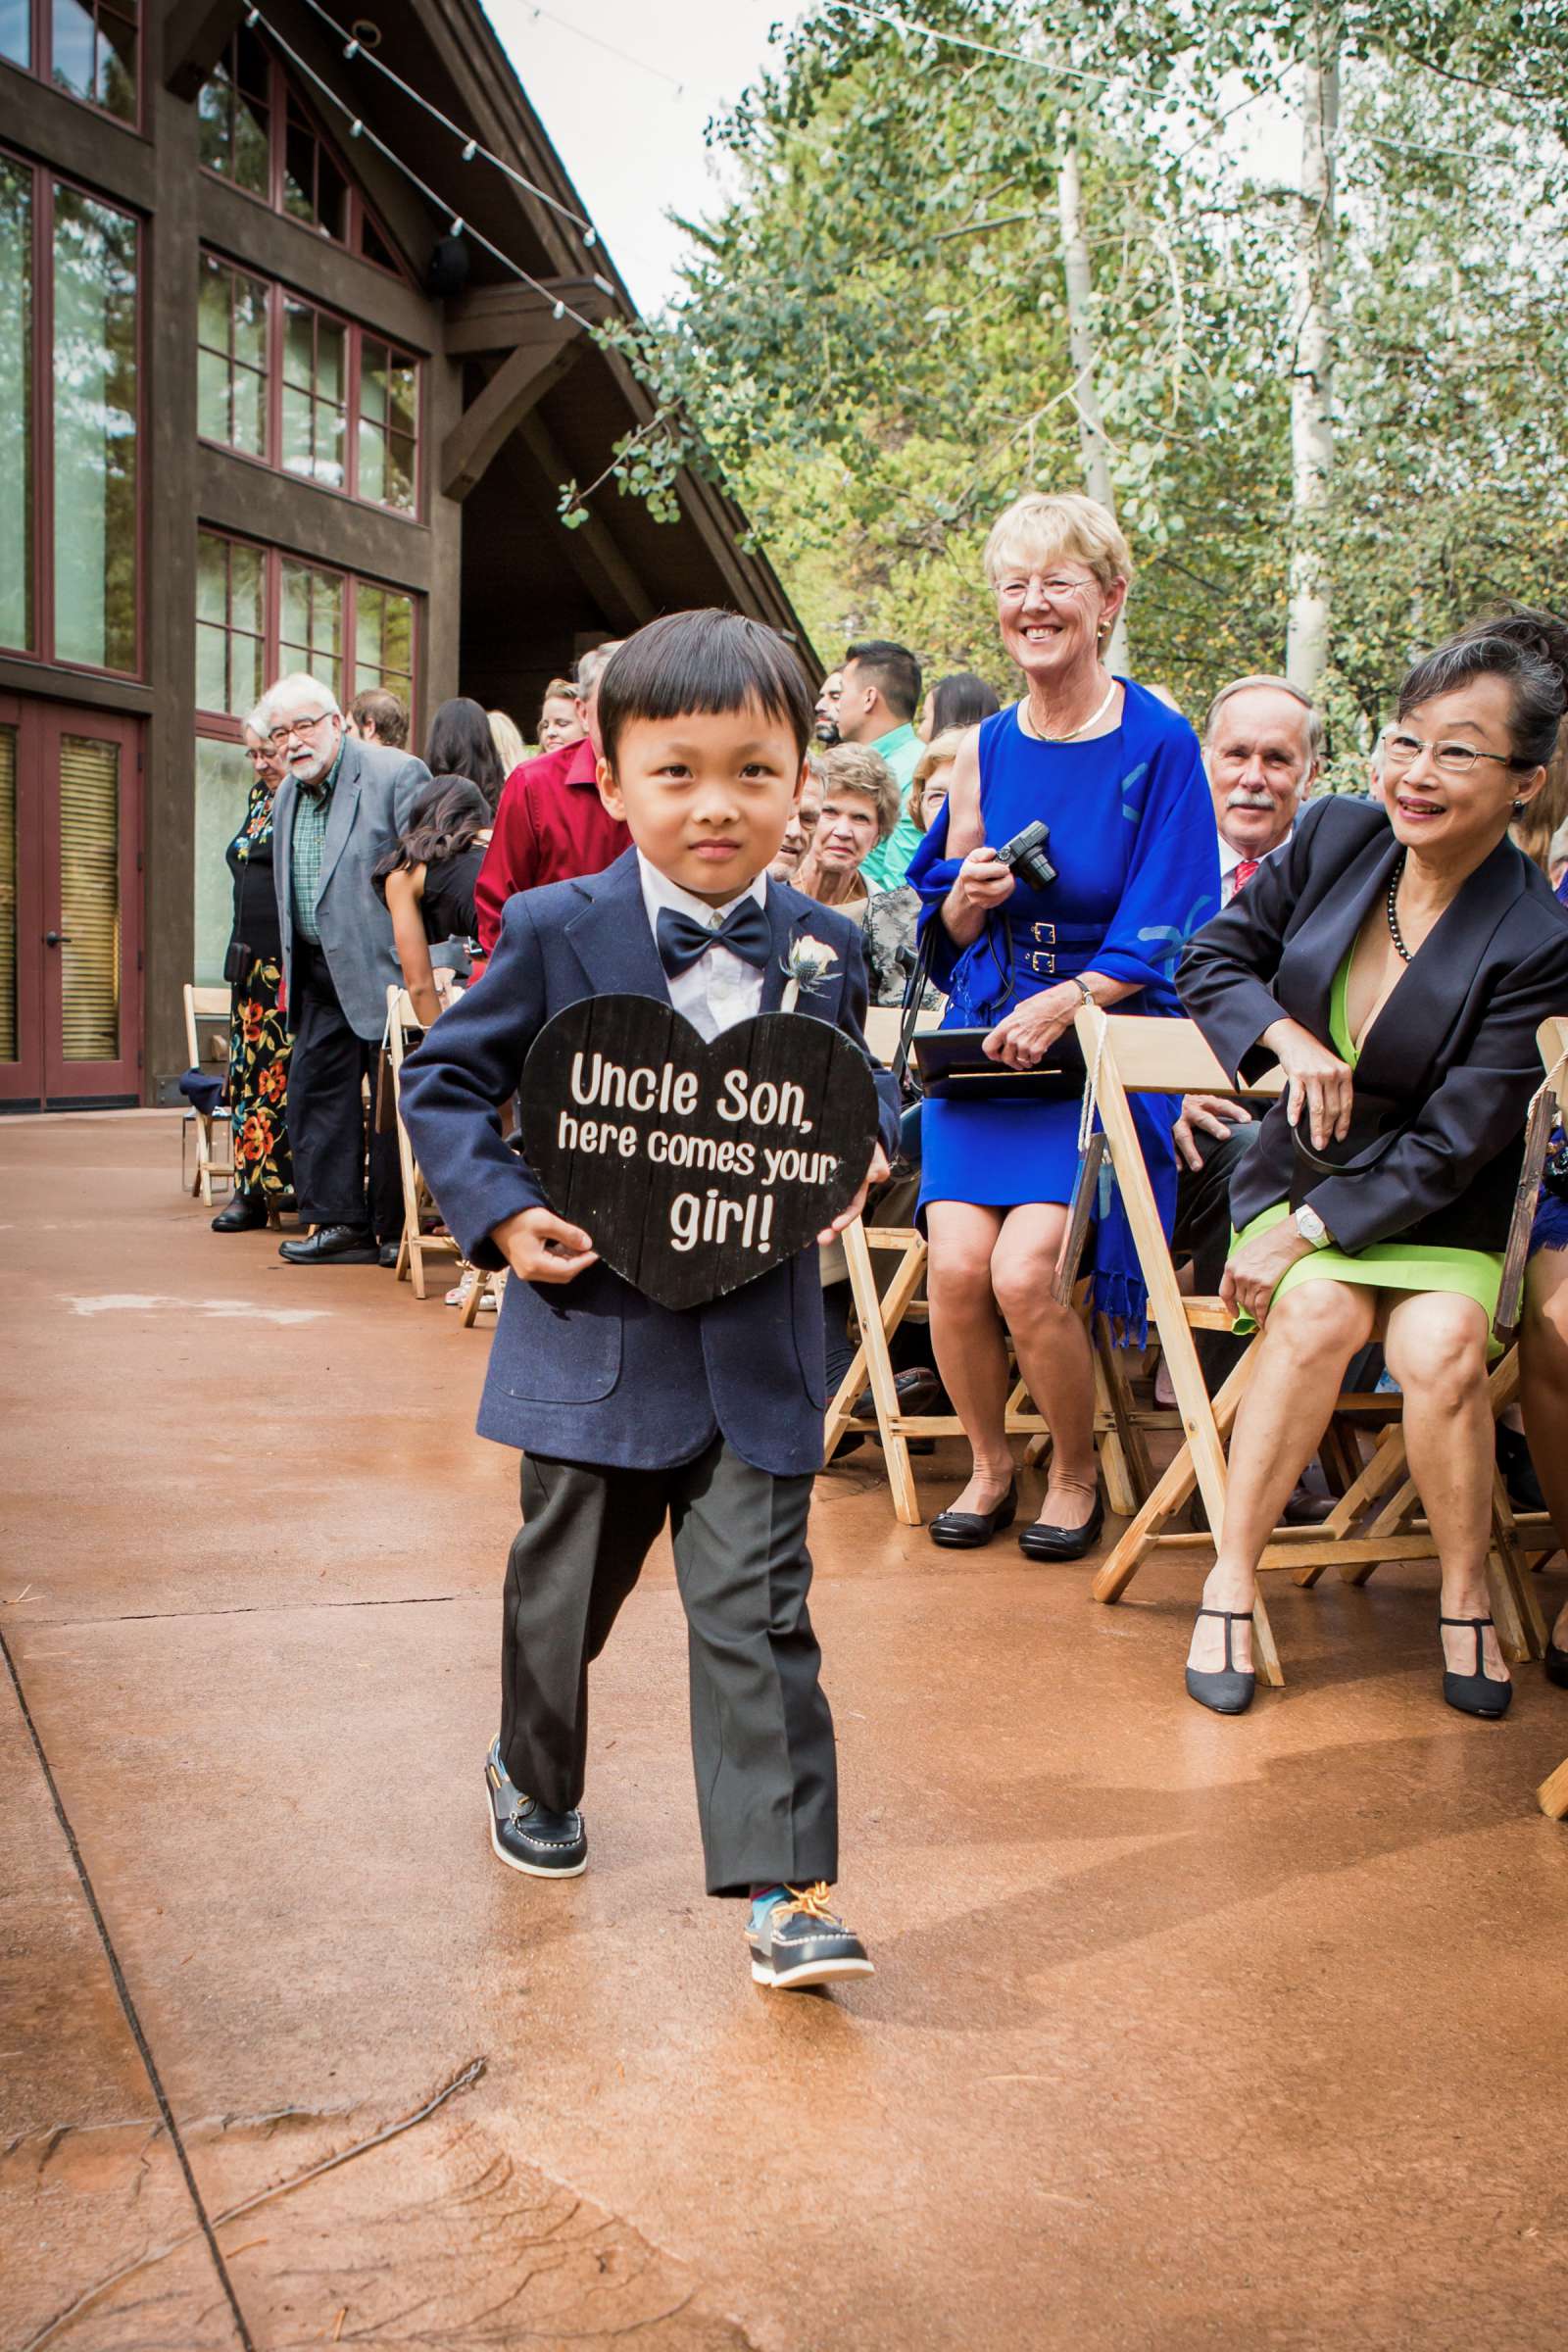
341 806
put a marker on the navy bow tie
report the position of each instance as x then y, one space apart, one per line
746 931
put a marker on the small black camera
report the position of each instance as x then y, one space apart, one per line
1025 855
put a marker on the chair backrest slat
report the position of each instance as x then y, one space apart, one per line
1170 1057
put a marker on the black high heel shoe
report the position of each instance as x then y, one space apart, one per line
968 1531
1477 1694
1230 1691
1556 1664
1044 1543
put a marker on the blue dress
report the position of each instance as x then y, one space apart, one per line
1134 843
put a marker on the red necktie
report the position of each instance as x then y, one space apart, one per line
1245 868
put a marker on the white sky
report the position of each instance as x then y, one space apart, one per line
630 138
626 87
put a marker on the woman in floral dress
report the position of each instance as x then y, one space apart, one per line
258 1039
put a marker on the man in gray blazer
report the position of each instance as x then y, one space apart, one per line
341 806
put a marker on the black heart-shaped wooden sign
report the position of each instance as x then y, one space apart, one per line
695 1167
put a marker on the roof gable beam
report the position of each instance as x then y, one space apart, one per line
506 317
511 396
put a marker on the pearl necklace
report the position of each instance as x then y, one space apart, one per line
1073 733
1395 933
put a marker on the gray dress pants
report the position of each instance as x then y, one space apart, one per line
762 1744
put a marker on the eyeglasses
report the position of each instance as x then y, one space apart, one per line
1401 750
297 726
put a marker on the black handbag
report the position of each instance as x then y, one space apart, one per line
950 1066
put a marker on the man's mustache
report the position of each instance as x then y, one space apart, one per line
1243 797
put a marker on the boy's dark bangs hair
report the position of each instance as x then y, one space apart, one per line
709 662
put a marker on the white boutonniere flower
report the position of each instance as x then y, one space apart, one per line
807 962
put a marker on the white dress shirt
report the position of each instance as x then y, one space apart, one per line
720 987
1229 859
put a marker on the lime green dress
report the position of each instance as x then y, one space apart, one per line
1385 1265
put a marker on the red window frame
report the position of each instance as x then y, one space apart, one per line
280 300
227 725
283 99
40 59
40 556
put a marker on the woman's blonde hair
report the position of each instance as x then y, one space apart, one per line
507 737
940 752
560 690
1042 529
855 767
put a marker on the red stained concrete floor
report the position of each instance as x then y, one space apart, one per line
1185 2033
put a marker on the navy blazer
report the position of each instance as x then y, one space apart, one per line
1450 1063
590 1370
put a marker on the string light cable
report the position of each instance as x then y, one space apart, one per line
598 41
468 147
361 129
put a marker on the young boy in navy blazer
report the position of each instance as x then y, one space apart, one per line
629 1412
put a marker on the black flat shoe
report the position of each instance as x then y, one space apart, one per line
1230 1691
968 1531
1043 1542
331 1246
245 1213
1556 1665
1477 1694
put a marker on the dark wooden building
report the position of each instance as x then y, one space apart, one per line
274 396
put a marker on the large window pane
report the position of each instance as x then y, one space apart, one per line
8 894
383 640
89 898
16 32
232 331
93 52
315 400
95 432
228 624
223 794
389 395
16 403
312 623
233 116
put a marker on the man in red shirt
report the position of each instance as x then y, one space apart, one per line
551 825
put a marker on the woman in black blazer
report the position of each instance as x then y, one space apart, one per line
1397 966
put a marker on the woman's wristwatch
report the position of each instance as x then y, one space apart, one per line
1311 1228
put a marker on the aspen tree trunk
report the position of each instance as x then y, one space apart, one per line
1306 642
1082 350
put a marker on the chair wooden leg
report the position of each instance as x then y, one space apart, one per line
481 1283
1552 1795
870 1309
415 1247
1123 1454
1167 1495
1513 1575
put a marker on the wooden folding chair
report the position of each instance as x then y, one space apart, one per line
416 1243
210 1131
1130 1056
879 1311
1552 1795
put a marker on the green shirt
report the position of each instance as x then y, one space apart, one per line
312 806
889 861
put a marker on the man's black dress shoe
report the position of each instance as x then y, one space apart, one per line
389 1253
527 1835
1556 1664
1477 1694
331 1246
968 1531
243 1214
1040 1543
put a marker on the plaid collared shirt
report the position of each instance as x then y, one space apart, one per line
312 806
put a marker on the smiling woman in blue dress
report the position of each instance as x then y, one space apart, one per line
1116 776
